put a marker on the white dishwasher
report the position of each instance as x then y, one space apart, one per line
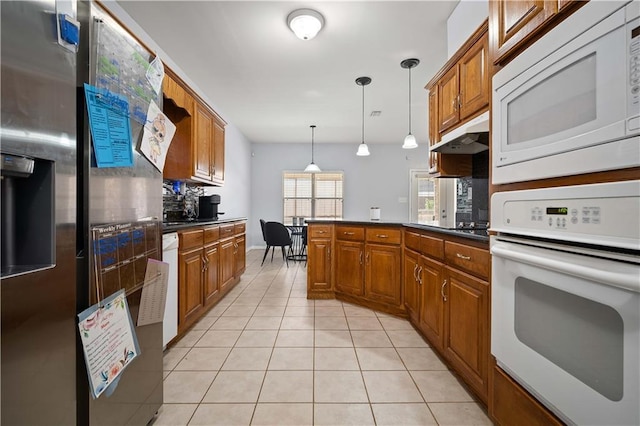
170 256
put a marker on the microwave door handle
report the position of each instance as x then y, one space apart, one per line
618 279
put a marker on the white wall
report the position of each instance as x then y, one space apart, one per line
378 180
463 21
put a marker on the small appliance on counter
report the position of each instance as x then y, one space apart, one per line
208 207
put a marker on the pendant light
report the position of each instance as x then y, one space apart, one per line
410 140
363 149
312 168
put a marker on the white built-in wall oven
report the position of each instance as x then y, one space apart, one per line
570 103
565 318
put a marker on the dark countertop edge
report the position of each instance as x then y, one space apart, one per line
173 228
454 232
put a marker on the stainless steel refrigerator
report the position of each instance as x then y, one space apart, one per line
53 198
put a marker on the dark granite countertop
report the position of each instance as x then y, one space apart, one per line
472 234
182 225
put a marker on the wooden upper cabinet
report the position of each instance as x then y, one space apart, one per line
203 143
197 150
433 129
217 172
448 100
515 24
474 79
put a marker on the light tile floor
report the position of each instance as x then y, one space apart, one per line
265 355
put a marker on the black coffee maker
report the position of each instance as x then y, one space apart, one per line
208 207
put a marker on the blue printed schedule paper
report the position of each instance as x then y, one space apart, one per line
110 127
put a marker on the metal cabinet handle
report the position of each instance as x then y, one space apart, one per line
366 258
321 232
415 272
329 253
382 236
348 233
204 263
444 297
462 256
361 258
420 275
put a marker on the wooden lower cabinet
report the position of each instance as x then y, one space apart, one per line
411 284
191 304
382 274
211 279
319 267
240 259
349 276
207 268
227 263
466 325
431 317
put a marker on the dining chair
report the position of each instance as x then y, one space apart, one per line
276 235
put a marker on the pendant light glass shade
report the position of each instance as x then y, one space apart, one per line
410 140
363 149
312 167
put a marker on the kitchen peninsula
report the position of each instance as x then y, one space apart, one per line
435 277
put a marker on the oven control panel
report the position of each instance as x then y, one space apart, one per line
603 214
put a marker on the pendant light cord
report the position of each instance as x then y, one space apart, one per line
409 100
312 132
362 113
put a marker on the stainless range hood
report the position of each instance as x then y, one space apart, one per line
470 138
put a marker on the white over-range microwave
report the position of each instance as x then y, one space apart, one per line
570 104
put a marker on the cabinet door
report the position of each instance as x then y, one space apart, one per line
217 170
382 274
431 308
190 268
203 144
349 267
227 263
517 21
211 278
474 79
240 255
467 327
433 129
319 265
448 100
410 284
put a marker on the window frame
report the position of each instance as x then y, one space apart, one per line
313 198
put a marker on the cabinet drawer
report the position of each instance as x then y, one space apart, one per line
350 233
319 231
412 240
431 246
211 234
190 239
376 234
226 230
239 228
474 260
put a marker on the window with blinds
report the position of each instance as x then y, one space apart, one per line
312 195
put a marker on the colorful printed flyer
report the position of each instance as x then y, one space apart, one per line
108 340
110 127
157 136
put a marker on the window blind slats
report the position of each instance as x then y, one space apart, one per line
312 195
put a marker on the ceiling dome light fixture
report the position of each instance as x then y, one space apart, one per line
312 167
305 23
363 149
410 140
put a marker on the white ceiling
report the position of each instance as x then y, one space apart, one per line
272 85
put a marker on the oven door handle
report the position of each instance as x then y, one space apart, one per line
628 280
